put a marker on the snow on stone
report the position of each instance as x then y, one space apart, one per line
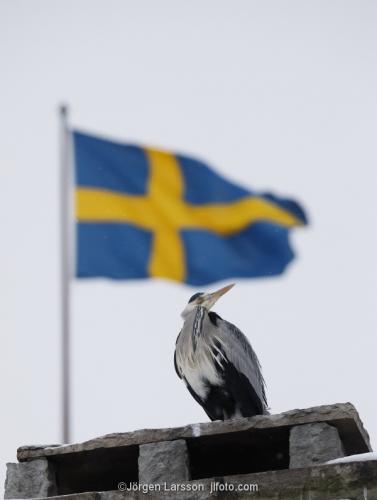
362 457
196 431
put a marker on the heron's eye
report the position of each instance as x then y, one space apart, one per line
195 296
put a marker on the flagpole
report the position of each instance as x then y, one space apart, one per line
65 241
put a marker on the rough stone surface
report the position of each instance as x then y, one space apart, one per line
214 448
162 462
313 444
29 480
343 416
356 481
80 496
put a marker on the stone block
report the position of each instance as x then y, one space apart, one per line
343 416
166 461
32 479
313 444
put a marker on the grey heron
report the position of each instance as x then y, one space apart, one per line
216 362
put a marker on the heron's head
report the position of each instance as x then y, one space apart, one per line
206 300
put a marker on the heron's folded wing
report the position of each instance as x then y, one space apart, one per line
239 352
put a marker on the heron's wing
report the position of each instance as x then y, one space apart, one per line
175 357
238 351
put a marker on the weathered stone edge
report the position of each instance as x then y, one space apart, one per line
293 417
332 479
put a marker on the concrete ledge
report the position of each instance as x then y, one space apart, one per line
357 480
260 448
343 416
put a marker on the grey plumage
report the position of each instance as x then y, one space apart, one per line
242 355
217 363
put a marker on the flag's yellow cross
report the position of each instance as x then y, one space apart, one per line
164 211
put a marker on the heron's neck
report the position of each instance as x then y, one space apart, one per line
197 318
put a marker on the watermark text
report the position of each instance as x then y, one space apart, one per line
213 487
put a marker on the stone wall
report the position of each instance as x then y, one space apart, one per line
270 456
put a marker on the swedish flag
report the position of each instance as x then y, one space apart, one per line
146 213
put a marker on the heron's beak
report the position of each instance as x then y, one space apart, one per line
212 298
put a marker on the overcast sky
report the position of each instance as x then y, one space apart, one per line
278 95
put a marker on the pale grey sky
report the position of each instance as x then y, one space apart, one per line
277 95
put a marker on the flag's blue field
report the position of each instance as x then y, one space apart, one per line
146 213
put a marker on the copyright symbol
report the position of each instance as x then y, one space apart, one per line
122 486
